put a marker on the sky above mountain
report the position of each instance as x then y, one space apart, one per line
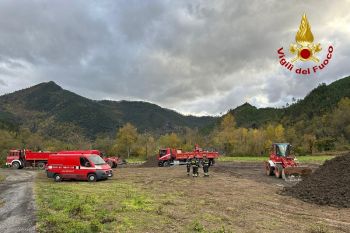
197 57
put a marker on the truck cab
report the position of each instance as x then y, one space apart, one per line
167 155
15 158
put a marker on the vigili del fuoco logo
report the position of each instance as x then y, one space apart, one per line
304 50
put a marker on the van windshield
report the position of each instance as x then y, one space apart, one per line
97 160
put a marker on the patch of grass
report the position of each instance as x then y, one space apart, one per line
2 202
197 227
222 230
318 229
301 159
242 159
314 159
93 207
2 178
136 160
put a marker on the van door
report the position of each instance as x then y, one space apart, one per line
84 168
66 167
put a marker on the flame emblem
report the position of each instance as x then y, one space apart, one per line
305 50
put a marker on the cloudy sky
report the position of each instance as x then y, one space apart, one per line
197 57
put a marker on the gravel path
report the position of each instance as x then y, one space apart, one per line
17 210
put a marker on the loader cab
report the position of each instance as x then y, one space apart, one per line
281 149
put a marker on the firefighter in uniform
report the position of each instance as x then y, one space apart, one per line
205 164
195 165
188 165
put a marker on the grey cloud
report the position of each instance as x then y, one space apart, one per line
193 56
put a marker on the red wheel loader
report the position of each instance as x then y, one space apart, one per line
282 164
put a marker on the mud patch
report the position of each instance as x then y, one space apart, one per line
328 185
150 162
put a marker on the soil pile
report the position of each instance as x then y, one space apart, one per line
150 162
328 185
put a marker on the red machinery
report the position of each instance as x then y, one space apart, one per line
170 156
283 164
23 158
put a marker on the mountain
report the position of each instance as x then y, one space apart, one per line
249 116
48 106
320 100
52 111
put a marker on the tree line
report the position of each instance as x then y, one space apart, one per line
330 131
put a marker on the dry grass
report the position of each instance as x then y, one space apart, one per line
166 200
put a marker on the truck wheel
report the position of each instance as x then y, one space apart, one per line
16 165
268 169
92 178
166 164
278 170
57 177
41 165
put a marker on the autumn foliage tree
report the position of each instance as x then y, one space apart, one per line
126 138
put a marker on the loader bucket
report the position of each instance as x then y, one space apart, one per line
295 173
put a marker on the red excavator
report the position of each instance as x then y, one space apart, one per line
283 164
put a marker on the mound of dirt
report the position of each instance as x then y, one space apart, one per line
150 162
328 185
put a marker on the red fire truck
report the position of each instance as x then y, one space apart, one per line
170 156
19 159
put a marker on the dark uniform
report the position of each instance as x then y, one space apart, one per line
205 164
188 166
195 166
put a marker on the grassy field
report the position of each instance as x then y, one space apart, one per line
167 200
2 178
319 159
107 206
301 159
136 160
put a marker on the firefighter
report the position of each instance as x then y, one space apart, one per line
205 164
188 165
195 165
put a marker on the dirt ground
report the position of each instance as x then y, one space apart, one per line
17 212
237 197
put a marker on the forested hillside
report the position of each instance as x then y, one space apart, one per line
47 104
48 117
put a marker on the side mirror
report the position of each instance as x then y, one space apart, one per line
87 164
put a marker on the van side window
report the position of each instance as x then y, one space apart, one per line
84 162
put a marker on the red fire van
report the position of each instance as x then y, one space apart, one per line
89 167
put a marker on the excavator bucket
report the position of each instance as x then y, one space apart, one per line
295 173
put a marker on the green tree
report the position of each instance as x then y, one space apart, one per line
309 140
127 137
170 140
225 136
